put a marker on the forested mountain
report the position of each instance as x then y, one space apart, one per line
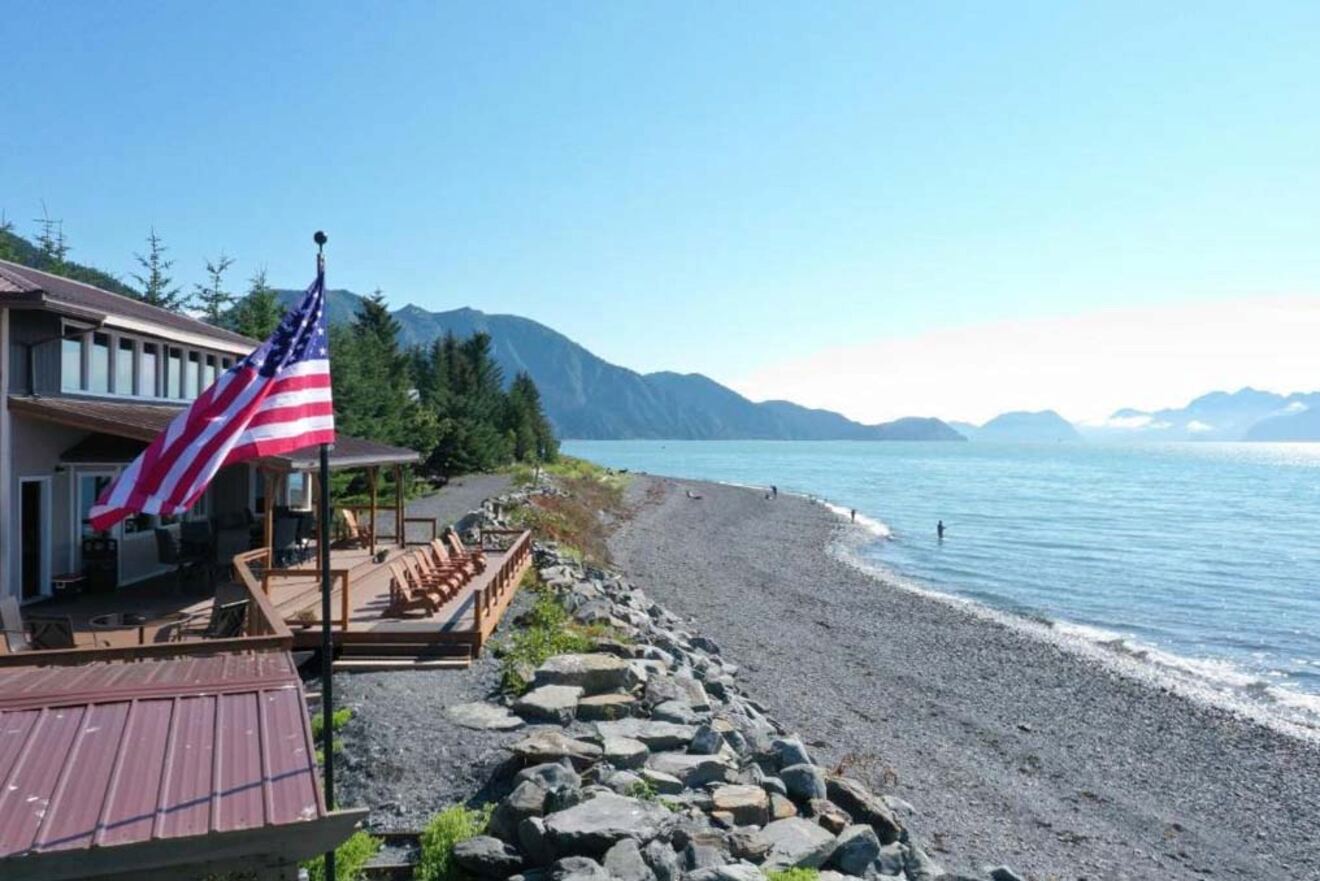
587 397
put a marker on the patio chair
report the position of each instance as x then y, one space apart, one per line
285 540
221 621
406 595
37 632
476 556
448 560
355 534
448 581
304 529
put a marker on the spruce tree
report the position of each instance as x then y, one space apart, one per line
51 242
211 299
156 286
257 314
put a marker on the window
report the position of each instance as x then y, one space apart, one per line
226 363
71 365
124 384
298 491
174 373
98 371
194 377
208 373
90 487
148 378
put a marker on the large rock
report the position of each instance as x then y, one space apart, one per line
789 751
662 860
624 752
605 707
577 868
532 842
551 775
487 857
624 862
594 826
656 735
796 842
864 807
707 741
745 805
856 849
550 746
549 703
676 711
804 782
483 716
693 770
526 800
664 784
594 674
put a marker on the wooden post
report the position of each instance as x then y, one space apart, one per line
372 472
398 504
343 602
268 529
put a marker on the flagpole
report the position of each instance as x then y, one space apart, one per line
327 646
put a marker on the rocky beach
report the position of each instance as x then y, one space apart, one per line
749 702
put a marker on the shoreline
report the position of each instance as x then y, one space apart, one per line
1008 744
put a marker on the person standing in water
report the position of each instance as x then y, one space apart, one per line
939 530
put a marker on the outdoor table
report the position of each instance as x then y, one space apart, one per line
129 620
69 582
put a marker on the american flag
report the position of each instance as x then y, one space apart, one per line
275 400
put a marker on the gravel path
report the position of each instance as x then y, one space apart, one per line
1011 750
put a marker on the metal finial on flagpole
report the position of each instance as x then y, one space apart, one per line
327 643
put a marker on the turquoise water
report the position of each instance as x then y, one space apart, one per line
1201 561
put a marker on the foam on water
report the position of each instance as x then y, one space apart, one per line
1212 681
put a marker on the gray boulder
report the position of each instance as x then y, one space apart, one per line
789 751
549 703
656 735
487 857
624 752
532 842
624 862
1004 873
804 782
675 711
550 746
577 868
604 707
864 807
526 800
664 784
855 850
594 673
707 741
796 842
662 860
594 826
483 716
743 805
693 770
892 858
920 867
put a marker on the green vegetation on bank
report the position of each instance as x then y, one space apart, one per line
546 630
579 519
447 828
350 858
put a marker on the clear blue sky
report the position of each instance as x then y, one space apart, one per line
714 187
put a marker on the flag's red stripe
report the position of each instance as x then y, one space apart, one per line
292 413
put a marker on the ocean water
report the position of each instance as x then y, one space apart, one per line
1194 565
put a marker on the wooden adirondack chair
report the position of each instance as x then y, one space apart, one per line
354 533
449 580
475 556
405 596
445 562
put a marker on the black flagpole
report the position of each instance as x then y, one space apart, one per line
327 647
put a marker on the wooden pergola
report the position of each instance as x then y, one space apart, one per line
348 453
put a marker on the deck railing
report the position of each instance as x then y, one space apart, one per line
263 629
488 603
259 584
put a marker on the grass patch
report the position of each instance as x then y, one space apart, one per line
579 520
796 874
643 790
338 719
350 857
549 631
447 828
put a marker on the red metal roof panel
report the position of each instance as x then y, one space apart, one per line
110 754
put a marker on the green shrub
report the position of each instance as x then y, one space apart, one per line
643 790
350 857
797 874
447 828
549 631
338 719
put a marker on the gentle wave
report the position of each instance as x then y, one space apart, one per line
1211 681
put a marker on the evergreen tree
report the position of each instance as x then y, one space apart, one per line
156 285
257 314
211 299
51 242
7 249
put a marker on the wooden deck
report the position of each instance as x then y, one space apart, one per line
360 624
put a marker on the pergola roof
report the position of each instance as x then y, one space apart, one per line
144 766
137 421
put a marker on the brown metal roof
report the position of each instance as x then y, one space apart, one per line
18 279
139 421
114 754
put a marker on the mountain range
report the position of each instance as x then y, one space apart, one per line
587 397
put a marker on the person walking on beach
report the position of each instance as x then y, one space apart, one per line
774 491
939 530
853 515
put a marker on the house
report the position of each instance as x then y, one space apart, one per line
90 377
